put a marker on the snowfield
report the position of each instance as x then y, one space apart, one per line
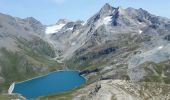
107 20
54 28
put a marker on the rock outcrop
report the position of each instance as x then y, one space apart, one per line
123 90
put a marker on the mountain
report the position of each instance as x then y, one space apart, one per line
113 45
23 52
123 43
117 44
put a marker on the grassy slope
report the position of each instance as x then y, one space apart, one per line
11 97
37 57
62 96
162 72
159 69
27 63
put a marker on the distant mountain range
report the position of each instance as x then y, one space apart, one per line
115 43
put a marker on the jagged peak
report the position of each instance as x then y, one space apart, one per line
79 21
63 21
106 10
32 20
106 7
120 8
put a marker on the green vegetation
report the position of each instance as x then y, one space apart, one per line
153 78
158 68
166 80
26 63
37 46
161 75
11 97
62 96
87 62
39 52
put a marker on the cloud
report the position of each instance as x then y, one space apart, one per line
58 1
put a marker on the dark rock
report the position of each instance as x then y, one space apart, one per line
89 71
167 37
107 51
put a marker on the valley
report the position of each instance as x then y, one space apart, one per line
123 53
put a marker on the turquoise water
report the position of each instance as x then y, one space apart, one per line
56 82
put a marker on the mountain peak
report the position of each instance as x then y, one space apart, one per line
32 20
120 9
107 6
106 10
63 21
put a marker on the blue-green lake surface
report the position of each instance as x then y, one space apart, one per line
55 82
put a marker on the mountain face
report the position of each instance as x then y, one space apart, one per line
123 43
23 52
115 43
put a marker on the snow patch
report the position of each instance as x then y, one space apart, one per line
107 19
83 23
70 28
140 31
140 23
160 47
74 43
54 28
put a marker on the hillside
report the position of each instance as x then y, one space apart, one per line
113 45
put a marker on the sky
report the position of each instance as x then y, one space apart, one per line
49 11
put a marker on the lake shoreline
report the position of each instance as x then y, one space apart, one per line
13 86
48 74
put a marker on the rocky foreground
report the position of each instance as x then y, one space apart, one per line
123 90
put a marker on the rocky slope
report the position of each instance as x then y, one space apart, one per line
123 90
121 40
24 53
116 43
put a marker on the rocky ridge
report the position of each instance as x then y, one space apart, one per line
123 90
124 39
